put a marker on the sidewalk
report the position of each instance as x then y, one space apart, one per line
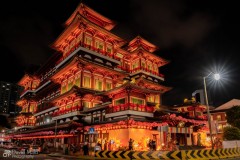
57 154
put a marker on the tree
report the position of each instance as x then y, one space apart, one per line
231 133
233 116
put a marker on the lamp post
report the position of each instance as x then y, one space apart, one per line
55 138
216 77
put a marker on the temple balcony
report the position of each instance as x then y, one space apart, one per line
70 112
95 52
45 110
147 72
29 91
142 70
129 109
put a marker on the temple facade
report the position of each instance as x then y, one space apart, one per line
97 87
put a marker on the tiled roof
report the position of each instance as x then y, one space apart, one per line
229 104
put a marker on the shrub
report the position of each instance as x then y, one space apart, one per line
231 133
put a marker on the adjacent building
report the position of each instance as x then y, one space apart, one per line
9 95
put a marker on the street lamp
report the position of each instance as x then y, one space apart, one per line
55 138
216 77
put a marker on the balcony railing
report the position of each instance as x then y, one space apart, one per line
130 106
67 110
101 51
141 69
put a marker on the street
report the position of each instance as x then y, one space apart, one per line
29 157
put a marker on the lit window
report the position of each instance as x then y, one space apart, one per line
77 103
86 82
77 80
64 87
108 86
149 67
88 40
137 101
98 84
219 117
99 45
151 99
220 127
143 64
86 104
157 99
70 83
109 49
120 101
69 106
135 65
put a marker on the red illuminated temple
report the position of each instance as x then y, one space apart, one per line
98 87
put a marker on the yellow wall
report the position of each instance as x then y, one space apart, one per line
140 137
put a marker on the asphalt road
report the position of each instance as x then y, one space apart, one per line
15 156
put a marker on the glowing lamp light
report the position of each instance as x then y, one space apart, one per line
216 76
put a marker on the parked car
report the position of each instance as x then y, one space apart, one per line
34 149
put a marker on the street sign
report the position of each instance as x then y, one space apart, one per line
91 131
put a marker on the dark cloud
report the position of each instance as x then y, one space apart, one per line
171 23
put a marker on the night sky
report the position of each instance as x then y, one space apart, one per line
197 37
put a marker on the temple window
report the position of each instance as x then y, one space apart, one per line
137 101
143 64
99 45
68 105
70 83
149 66
86 104
64 87
135 64
79 37
87 82
98 84
155 68
157 99
77 79
109 49
219 117
76 103
120 101
88 40
32 106
151 98
108 85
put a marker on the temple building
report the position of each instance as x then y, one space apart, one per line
97 87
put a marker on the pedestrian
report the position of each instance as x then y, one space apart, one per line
130 144
85 149
150 145
154 145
